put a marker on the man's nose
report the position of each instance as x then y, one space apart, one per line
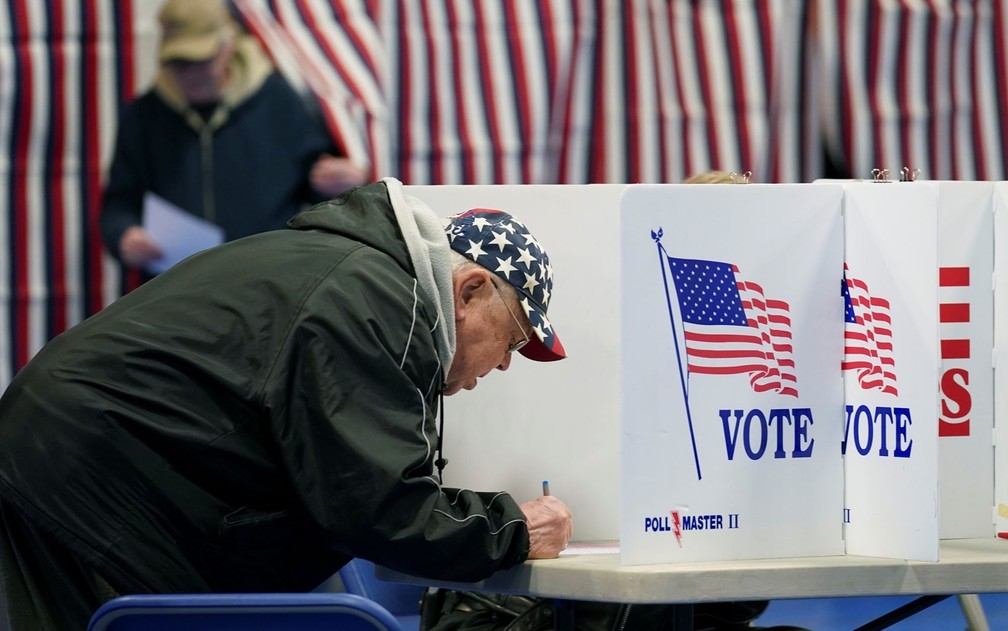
505 362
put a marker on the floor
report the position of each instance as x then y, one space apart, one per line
846 614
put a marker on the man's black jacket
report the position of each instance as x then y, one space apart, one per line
251 418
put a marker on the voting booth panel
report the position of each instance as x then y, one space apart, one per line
966 340
555 421
1001 358
734 462
890 369
966 343
731 397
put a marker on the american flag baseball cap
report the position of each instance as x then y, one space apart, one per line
502 244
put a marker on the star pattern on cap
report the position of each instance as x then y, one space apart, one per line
530 282
504 245
500 240
475 250
505 268
525 257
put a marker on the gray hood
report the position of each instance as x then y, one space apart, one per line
428 247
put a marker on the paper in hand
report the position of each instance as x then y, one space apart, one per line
178 233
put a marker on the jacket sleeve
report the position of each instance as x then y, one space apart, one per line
122 198
350 401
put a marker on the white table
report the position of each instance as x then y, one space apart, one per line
966 566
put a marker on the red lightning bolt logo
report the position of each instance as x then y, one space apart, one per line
676 528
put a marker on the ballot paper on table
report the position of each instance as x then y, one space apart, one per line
178 233
576 548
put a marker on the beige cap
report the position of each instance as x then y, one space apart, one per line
192 30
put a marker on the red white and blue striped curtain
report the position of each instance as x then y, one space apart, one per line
551 91
920 84
66 67
678 87
334 50
521 91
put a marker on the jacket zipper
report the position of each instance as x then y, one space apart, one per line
206 167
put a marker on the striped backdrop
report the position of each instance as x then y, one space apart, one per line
66 66
521 91
545 91
920 84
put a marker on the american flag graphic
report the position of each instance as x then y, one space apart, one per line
731 328
868 346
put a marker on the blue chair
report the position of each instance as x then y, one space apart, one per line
242 612
401 600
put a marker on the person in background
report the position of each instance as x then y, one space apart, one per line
265 410
220 134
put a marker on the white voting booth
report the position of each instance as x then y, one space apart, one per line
965 386
1001 357
966 343
698 464
555 421
731 397
890 369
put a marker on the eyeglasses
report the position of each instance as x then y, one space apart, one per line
517 346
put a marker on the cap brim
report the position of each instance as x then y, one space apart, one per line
195 48
536 349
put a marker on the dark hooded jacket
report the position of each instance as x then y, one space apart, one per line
251 419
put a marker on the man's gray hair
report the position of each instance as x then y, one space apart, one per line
461 263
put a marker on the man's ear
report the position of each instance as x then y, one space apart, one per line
469 286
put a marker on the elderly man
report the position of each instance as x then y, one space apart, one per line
265 410
220 135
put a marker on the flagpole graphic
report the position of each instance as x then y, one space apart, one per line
662 258
729 327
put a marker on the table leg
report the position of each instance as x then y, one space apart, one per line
973 610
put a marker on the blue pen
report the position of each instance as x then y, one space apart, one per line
545 488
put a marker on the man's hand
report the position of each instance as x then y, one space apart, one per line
331 175
137 249
550 526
